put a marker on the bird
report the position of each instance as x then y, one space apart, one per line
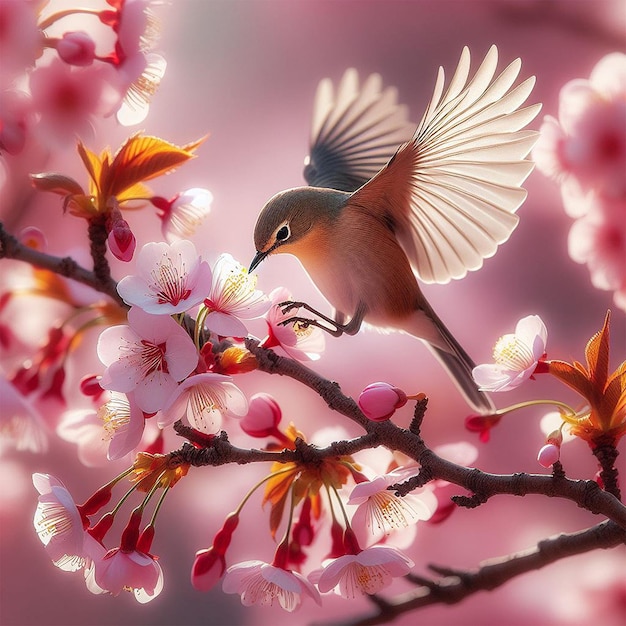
387 203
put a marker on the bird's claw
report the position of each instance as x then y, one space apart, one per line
302 322
289 305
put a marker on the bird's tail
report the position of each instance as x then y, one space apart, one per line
452 356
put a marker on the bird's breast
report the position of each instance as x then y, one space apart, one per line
361 261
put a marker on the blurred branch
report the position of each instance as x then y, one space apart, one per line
456 585
11 248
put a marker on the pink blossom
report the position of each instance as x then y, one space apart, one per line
59 524
205 399
140 71
599 240
233 297
21 41
379 401
134 570
261 583
76 48
263 416
515 355
184 213
300 342
109 433
69 98
588 140
171 278
21 425
149 356
380 511
369 571
16 119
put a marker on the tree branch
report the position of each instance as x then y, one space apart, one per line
455 585
11 248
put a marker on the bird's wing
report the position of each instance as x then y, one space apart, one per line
355 131
450 193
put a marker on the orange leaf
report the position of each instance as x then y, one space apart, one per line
571 376
141 158
56 183
91 162
597 353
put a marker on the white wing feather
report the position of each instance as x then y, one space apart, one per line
468 167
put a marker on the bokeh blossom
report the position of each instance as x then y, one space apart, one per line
21 425
585 151
516 356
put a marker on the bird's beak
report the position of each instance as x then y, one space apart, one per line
258 257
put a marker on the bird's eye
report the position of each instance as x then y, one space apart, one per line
283 233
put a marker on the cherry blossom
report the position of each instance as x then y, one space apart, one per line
68 98
21 425
598 239
205 399
20 40
367 572
109 433
133 570
139 70
258 582
588 141
17 116
516 356
171 278
233 297
381 511
59 524
379 401
182 215
148 356
299 341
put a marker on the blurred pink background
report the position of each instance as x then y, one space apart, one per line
245 72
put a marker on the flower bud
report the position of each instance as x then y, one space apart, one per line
207 569
379 401
549 455
77 48
121 240
263 416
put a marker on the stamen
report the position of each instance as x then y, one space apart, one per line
512 353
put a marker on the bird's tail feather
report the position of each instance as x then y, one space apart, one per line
453 358
459 366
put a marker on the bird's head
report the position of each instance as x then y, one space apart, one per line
289 216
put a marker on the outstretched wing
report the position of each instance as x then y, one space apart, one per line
354 133
451 193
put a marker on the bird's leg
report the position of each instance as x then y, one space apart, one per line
337 327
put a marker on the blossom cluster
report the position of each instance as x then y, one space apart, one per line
585 151
55 86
